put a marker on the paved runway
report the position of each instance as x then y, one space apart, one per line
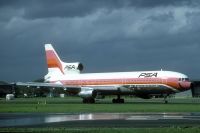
98 119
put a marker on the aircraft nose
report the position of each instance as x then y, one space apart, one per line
185 85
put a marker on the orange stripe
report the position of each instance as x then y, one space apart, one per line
173 82
53 61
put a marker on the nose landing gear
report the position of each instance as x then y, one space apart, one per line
88 100
165 99
118 100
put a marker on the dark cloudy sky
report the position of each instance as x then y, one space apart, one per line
105 35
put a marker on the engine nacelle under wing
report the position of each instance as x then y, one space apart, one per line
87 92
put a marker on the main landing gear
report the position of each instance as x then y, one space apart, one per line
118 100
88 100
165 99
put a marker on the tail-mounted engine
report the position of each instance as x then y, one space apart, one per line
73 67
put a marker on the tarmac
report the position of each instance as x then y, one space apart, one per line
98 119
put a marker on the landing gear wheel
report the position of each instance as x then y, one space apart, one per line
114 101
88 100
118 100
84 101
92 100
121 100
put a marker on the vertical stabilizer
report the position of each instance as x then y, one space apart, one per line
53 61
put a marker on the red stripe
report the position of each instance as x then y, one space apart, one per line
173 82
53 61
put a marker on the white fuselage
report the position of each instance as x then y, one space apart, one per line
127 82
88 85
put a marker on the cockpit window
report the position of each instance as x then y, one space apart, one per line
186 79
183 79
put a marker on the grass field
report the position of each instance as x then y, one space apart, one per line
105 130
74 105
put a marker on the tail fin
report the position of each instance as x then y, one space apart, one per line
54 63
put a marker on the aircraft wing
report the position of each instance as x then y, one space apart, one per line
51 85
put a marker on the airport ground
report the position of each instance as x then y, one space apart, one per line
75 105
104 130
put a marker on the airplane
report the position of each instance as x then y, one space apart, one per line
89 86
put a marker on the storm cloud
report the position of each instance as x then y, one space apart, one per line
110 35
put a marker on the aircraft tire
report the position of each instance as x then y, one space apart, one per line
114 101
118 101
84 100
92 100
121 100
88 100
